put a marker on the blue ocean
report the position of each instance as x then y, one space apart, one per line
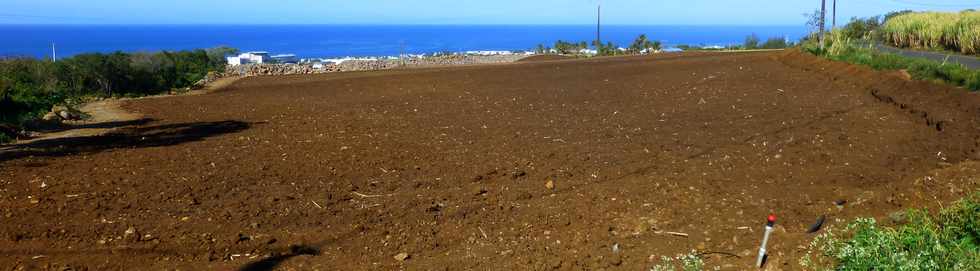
323 41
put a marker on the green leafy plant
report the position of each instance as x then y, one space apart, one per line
5 139
947 241
684 262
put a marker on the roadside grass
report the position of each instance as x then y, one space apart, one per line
949 240
842 48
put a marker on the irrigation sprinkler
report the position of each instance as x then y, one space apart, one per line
770 222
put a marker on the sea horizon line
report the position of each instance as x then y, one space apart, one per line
435 25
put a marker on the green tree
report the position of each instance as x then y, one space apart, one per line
776 43
641 43
218 54
862 28
562 47
751 42
607 49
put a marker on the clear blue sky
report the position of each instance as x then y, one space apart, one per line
640 12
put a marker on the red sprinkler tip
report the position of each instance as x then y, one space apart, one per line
772 218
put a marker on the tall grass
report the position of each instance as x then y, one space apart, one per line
936 30
842 48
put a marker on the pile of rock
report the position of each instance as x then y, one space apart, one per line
435 61
63 113
208 79
277 69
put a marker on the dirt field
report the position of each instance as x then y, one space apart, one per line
558 164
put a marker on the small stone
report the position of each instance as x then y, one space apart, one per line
64 114
899 217
518 173
479 191
51 116
131 234
402 256
550 185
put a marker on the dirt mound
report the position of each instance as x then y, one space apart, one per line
579 164
945 108
536 58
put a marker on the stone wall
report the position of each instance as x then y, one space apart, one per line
367 65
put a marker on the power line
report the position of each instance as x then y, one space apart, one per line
12 15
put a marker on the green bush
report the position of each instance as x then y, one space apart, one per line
948 241
776 43
565 48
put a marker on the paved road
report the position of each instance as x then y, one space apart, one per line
968 61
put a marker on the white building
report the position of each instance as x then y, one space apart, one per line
489 53
257 57
285 58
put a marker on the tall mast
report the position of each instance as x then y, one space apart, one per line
598 28
823 20
54 53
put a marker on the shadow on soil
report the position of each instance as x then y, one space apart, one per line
270 263
103 125
127 137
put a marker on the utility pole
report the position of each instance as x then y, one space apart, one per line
401 53
598 29
823 20
834 20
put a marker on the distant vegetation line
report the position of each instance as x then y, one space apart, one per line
643 45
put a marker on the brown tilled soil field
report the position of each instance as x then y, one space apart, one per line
556 164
